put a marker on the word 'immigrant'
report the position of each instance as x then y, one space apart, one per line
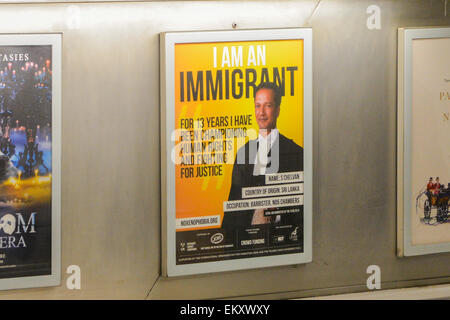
219 84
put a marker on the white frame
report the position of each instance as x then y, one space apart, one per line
167 56
55 40
404 140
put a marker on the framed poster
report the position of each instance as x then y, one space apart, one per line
236 149
30 160
423 141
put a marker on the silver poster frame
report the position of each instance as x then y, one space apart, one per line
55 40
406 36
167 64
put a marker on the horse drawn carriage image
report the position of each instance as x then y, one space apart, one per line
437 198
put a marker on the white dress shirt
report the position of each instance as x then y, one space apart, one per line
265 144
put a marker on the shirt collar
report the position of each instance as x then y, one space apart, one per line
272 137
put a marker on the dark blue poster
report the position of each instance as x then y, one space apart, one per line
25 160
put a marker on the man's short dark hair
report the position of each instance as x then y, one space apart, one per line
271 86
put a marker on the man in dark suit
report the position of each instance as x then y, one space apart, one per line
270 153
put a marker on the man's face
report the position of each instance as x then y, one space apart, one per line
266 110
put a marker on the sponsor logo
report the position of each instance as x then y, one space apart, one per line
252 242
278 239
294 235
217 238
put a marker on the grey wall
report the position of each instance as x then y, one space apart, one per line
111 152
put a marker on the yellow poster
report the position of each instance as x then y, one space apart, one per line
238 153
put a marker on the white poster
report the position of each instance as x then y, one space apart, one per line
424 136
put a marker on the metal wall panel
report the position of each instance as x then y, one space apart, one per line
111 152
